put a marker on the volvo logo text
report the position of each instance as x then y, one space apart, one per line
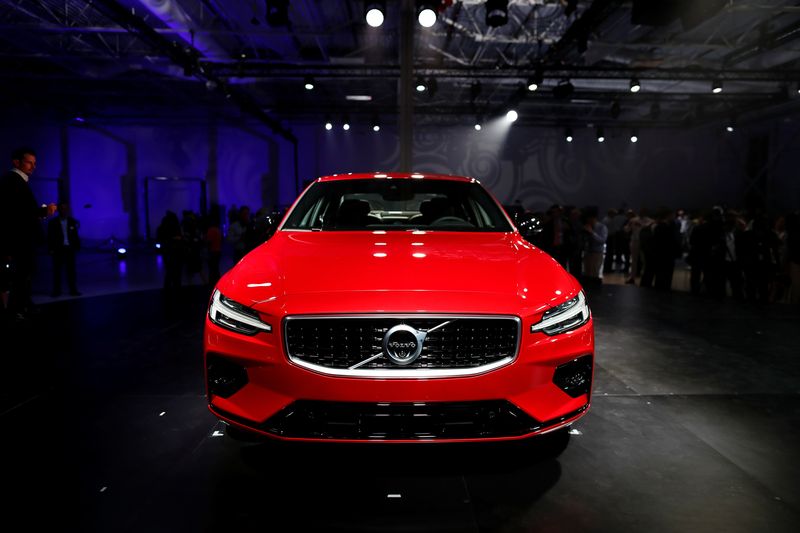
402 344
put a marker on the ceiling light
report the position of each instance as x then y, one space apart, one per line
496 13
536 80
634 136
635 85
730 126
426 13
328 126
478 127
421 85
346 123
512 115
600 135
308 83
716 86
376 125
564 89
478 123
374 14
568 135
358 97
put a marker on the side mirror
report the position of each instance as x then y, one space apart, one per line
530 227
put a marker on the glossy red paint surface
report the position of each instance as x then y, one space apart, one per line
398 272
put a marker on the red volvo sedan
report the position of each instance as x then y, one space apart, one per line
395 307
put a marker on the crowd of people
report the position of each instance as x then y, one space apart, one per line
188 242
745 255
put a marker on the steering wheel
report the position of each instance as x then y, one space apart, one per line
450 221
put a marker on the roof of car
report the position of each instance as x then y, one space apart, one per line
393 175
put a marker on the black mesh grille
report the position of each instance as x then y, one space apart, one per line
400 421
343 342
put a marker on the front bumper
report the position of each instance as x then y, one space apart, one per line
268 394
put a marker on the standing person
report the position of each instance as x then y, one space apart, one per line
172 249
213 238
595 236
552 237
20 231
237 232
63 243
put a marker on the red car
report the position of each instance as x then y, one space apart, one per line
397 308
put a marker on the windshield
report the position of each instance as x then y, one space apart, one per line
400 204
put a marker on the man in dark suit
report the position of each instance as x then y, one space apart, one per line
20 230
63 243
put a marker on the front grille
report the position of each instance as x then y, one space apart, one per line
400 421
340 343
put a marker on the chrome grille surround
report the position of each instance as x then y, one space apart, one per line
331 344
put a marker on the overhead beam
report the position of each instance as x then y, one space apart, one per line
186 58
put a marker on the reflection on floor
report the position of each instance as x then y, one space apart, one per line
695 426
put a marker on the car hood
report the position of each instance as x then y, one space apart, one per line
352 272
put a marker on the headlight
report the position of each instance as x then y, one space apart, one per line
234 316
567 316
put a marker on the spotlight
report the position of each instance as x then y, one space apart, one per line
277 13
426 13
729 127
634 136
568 135
376 126
496 13
421 85
478 127
121 251
512 115
309 83
374 14
536 80
600 135
346 123
328 126
635 85
716 86
158 246
564 89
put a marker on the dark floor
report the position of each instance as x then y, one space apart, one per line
695 426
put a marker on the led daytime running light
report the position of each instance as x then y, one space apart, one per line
564 317
234 316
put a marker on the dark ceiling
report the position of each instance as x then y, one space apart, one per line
150 59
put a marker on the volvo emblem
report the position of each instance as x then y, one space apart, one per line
402 344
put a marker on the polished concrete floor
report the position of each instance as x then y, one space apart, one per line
695 426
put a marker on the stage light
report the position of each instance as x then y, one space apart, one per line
309 83
478 127
568 135
421 85
730 126
375 14
634 136
496 13
512 115
426 13
121 251
635 85
376 126
328 126
478 123
600 135
536 80
716 86
346 123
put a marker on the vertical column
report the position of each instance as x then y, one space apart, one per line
212 171
405 88
64 185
